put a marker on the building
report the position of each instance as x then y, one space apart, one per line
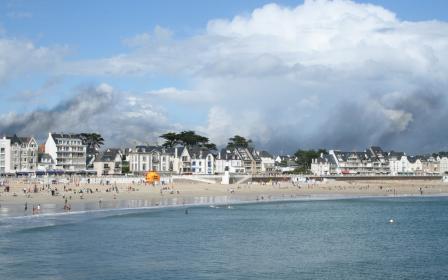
67 150
45 162
267 162
18 154
239 160
5 155
150 158
430 165
227 160
286 163
202 160
372 161
323 165
109 162
443 165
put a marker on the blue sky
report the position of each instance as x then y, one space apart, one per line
89 32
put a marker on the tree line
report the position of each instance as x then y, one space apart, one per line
190 138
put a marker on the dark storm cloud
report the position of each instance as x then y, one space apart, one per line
122 120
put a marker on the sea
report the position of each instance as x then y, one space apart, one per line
351 238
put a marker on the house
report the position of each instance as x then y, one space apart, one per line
227 160
415 165
18 154
5 155
45 162
323 165
202 160
150 158
239 160
267 162
108 162
372 161
67 150
286 163
443 165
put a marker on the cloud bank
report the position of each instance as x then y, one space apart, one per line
122 119
333 74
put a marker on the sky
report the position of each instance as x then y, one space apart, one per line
288 74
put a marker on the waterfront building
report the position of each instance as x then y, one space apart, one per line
18 154
5 155
372 161
227 160
109 162
443 165
45 162
150 158
323 165
239 160
202 160
267 162
67 150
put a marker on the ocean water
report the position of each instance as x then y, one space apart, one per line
327 239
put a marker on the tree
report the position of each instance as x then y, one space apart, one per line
171 139
305 157
186 138
238 142
190 138
93 141
211 146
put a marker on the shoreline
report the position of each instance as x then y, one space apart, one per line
215 202
88 197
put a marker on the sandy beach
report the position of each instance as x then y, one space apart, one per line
54 198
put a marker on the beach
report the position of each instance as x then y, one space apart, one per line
25 195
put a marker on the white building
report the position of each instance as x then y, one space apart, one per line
5 155
399 164
372 161
239 160
67 150
443 165
109 162
324 165
267 162
18 154
202 160
150 158
45 162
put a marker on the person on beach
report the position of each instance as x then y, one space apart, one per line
26 206
38 208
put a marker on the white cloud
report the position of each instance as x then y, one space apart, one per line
19 57
321 73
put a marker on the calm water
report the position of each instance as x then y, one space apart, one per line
333 239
